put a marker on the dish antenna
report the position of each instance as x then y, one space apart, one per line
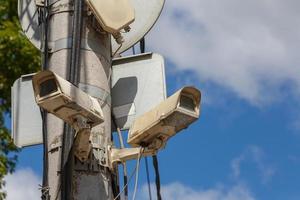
146 14
28 16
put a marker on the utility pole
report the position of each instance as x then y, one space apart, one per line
77 49
85 180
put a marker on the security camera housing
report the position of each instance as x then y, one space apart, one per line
64 100
72 105
154 128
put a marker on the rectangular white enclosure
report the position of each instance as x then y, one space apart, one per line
26 116
138 84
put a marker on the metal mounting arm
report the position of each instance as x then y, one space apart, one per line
82 145
123 155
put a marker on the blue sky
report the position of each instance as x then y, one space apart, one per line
243 55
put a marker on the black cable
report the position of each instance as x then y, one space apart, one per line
157 177
148 178
115 185
142 45
155 162
137 172
45 56
66 173
67 157
125 181
45 22
125 176
74 69
45 185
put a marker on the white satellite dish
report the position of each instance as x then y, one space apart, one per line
146 14
28 16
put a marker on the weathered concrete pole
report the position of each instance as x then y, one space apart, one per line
88 180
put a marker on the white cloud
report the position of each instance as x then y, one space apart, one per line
255 155
23 184
250 47
178 191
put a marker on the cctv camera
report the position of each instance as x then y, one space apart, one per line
154 128
150 132
61 98
64 100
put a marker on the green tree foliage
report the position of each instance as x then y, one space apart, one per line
17 57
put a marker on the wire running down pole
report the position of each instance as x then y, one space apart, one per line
67 156
121 141
69 23
157 177
45 57
148 178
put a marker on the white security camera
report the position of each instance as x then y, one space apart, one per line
151 131
61 98
64 100
154 128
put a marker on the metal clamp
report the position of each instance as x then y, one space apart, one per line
86 44
122 155
96 92
98 158
56 143
62 7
